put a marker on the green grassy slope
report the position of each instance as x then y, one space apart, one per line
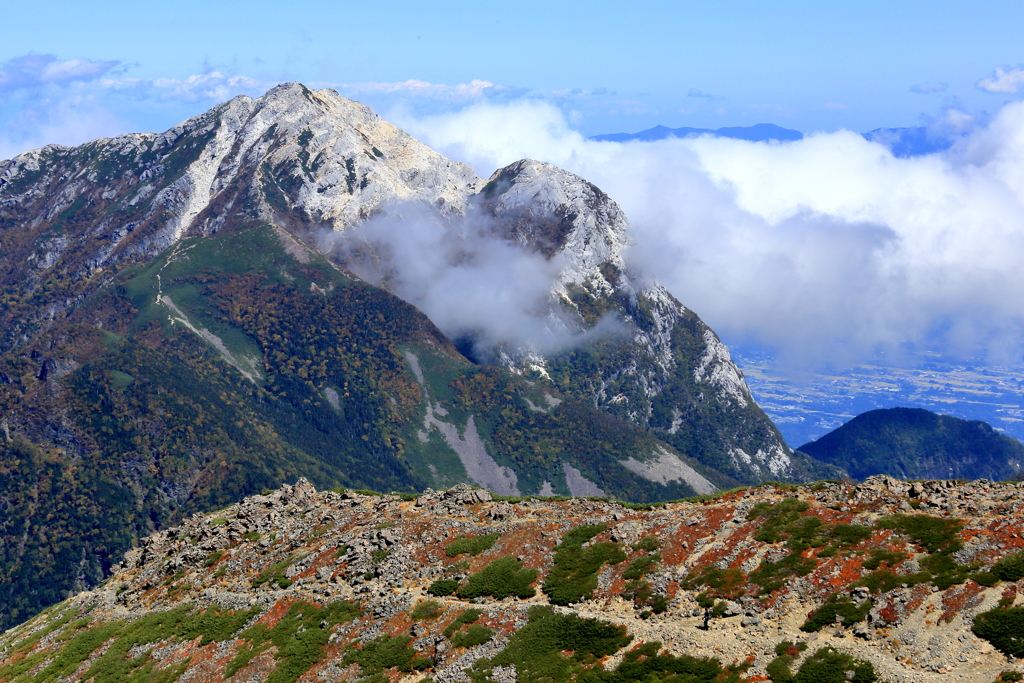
235 363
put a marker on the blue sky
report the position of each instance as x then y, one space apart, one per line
119 66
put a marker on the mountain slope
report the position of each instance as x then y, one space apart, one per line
667 371
831 583
227 365
913 443
172 338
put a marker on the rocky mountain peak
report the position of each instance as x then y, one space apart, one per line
556 213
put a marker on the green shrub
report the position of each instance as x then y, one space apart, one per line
645 664
536 649
779 670
648 543
502 578
427 610
878 556
473 636
827 665
443 587
850 534
777 517
773 575
574 574
1011 567
986 579
884 580
114 666
300 636
1004 628
467 617
473 545
658 603
213 558
835 606
274 574
724 583
934 534
559 648
384 653
638 591
641 566
1010 676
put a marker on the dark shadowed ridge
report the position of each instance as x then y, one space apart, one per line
913 443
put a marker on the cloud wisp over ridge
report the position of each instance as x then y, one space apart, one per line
476 287
825 249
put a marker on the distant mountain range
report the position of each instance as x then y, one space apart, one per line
904 142
761 132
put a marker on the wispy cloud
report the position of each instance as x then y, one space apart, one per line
1006 81
929 87
212 86
414 88
697 92
34 71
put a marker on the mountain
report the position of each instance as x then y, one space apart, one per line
174 337
761 132
824 583
913 443
911 142
904 142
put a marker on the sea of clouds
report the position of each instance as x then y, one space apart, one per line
826 249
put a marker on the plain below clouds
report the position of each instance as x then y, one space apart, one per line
826 249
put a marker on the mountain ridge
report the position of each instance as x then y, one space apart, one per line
172 338
826 582
759 132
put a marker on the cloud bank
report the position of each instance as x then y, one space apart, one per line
826 249
481 291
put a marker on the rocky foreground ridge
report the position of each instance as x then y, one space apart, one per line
883 580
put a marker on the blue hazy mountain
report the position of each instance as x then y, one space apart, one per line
760 132
904 142
910 142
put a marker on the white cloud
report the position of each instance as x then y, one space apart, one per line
413 88
212 86
825 249
34 71
1004 81
502 290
